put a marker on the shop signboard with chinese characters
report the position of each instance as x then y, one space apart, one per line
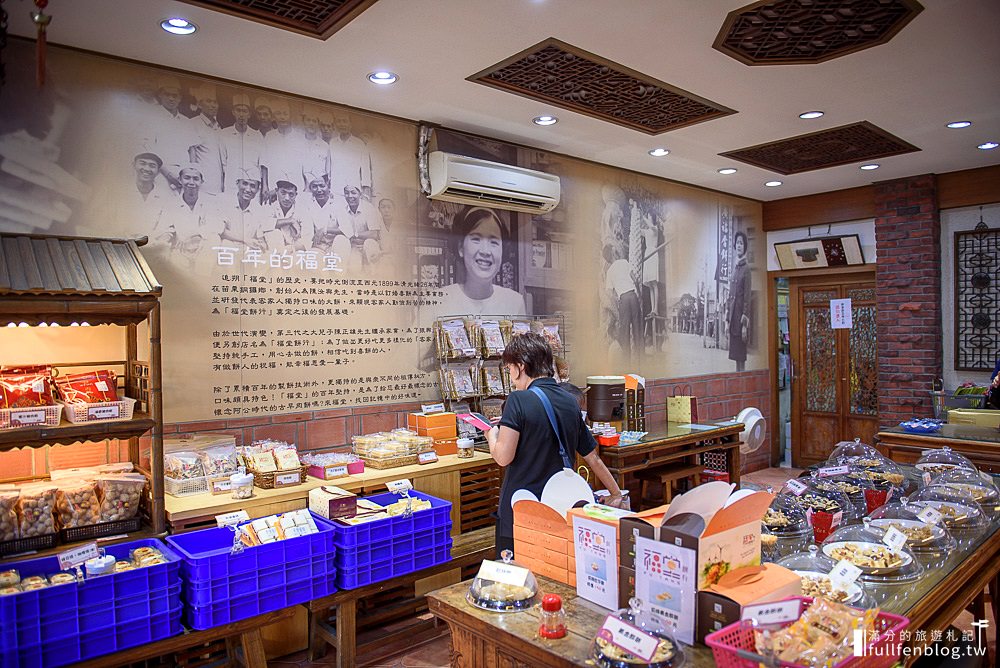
665 581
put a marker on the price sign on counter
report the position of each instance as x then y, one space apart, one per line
334 472
287 479
429 409
27 418
78 555
629 638
221 485
104 412
778 612
929 515
397 486
894 539
796 487
232 518
427 457
845 572
496 571
832 471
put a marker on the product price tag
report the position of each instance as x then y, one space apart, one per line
629 638
427 458
104 412
832 471
778 612
428 409
27 418
397 486
796 487
101 386
894 539
844 573
469 352
929 515
78 555
334 472
235 517
222 485
497 571
297 531
287 479
927 479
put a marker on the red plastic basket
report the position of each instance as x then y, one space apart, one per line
733 646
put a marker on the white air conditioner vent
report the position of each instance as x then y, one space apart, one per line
456 178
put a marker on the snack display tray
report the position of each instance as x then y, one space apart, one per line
319 471
389 462
101 530
185 486
32 543
79 413
265 479
733 646
348 536
9 415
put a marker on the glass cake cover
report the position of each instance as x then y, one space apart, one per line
961 513
939 460
785 516
820 495
922 535
503 586
863 545
981 486
856 455
814 568
667 654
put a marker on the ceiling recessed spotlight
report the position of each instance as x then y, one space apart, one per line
658 152
544 120
807 115
772 184
955 125
870 166
988 146
727 170
383 78
178 26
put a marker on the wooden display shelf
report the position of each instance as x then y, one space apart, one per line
145 532
198 510
67 432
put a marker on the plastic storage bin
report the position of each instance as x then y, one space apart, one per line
394 546
220 587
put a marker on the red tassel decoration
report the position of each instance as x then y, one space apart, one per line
42 21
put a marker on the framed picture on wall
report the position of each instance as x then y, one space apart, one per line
841 251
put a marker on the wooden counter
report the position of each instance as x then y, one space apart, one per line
441 479
980 444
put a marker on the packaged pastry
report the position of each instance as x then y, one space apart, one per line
81 472
7 591
458 338
9 527
287 460
90 387
115 467
183 465
122 566
458 379
26 389
140 553
62 578
263 462
493 343
121 496
493 379
34 582
77 504
10 578
37 506
219 460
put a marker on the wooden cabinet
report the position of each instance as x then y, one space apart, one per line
74 282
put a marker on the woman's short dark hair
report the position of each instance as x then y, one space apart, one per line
531 350
746 244
468 220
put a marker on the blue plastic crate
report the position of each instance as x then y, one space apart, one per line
259 602
438 516
401 563
202 593
127 609
207 556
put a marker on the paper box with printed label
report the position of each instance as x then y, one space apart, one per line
536 516
722 603
626 586
332 502
421 421
595 548
645 524
543 538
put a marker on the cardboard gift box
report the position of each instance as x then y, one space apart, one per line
418 421
595 546
333 502
981 417
543 541
722 603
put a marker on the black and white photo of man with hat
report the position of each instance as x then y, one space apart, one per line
195 215
207 152
242 223
284 228
241 145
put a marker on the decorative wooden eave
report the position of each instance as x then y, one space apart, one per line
64 279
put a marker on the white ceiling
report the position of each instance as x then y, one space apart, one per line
943 66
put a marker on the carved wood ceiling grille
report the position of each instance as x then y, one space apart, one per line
782 32
316 18
560 74
842 145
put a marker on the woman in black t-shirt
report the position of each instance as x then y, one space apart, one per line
525 443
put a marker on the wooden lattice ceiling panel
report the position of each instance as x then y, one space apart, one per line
827 148
786 32
560 74
316 18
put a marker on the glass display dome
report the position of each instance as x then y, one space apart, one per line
668 652
856 455
943 459
982 488
922 536
821 495
863 546
786 524
960 513
814 568
509 588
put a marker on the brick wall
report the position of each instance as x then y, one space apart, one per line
908 275
719 396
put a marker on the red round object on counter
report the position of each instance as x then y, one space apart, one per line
551 603
608 440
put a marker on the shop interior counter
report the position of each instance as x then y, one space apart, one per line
440 479
980 444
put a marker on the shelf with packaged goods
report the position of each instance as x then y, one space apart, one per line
68 433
